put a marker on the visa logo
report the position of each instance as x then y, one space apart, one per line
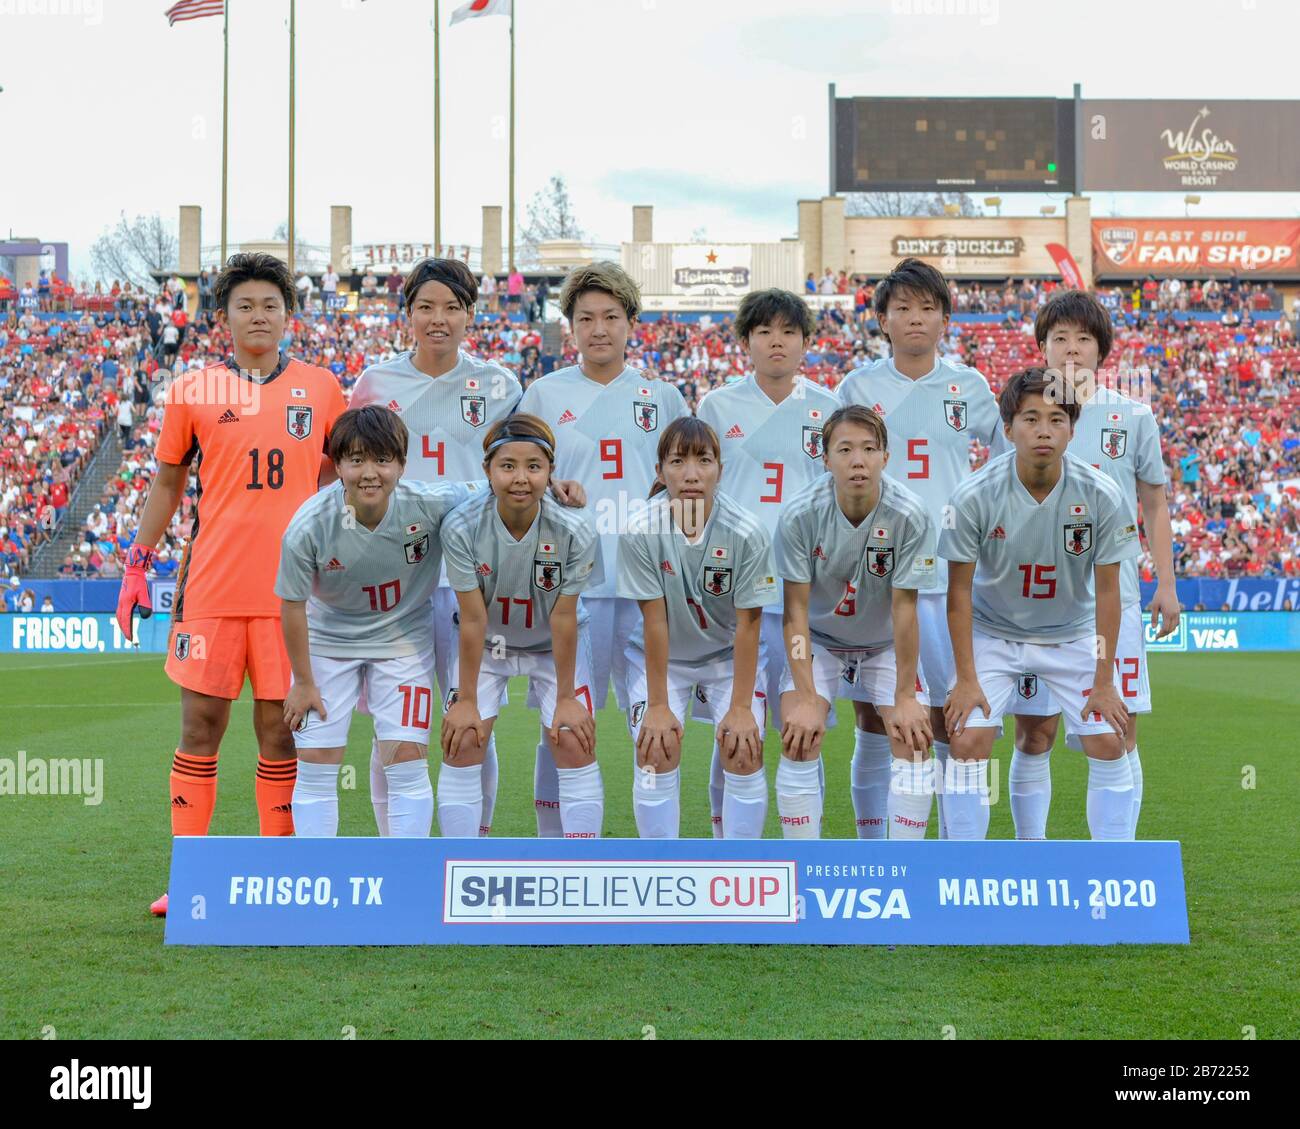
864 904
1215 638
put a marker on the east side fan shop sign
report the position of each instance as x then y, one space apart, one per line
1135 248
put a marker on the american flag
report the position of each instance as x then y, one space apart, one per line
194 10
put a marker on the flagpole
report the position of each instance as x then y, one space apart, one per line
512 138
292 14
437 132
225 119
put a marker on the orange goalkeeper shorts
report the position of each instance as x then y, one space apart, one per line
211 656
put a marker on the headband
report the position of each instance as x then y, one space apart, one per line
509 437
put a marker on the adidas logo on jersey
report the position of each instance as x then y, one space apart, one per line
819 554
568 417
283 809
667 566
998 534
180 802
228 416
484 570
335 565
735 432
394 406
878 408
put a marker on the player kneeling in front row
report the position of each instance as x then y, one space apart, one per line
853 548
518 561
358 564
701 569
1034 547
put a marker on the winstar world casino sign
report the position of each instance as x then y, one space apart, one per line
1124 248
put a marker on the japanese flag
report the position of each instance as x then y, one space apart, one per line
480 8
954 389
299 393
1114 417
1079 511
814 413
643 391
547 548
880 533
719 553
471 384
413 528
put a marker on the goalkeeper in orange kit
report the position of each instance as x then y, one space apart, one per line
253 428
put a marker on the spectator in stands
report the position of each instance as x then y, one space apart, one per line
487 289
305 287
514 289
827 284
543 294
394 284
329 286
47 603
369 284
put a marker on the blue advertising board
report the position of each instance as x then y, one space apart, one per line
372 891
1198 632
52 633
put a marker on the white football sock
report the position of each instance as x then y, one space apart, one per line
1136 765
744 804
378 788
942 754
799 798
316 795
460 800
656 803
716 791
1110 799
546 792
911 793
410 799
869 782
582 801
489 786
966 799
1030 785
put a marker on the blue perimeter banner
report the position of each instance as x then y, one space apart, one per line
372 891
52 633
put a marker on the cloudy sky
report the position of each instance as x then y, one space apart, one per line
715 111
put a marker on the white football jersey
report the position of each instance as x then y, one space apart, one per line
520 580
367 591
606 437
853 570
702 583
1120 437
447 416
1034 560
931 422
770 451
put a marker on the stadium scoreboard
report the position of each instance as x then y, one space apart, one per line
952 144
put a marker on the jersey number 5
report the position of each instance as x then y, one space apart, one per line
916 454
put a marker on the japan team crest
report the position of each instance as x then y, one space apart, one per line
547 575
182 645
416 550
1114 442
473 410
812 442
701 695
645 415
638 712
954 414
880 562
1078 538
717 581
297 420
1027 685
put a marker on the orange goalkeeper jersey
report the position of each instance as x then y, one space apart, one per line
257 451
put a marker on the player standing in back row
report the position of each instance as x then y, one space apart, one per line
770 424
606 417
933 408
254 428
1120 437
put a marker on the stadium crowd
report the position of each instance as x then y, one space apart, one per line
1226 392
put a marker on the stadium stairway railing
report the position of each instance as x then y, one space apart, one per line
106 463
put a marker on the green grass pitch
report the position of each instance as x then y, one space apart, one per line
83 957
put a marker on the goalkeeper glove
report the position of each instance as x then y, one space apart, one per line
135 589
